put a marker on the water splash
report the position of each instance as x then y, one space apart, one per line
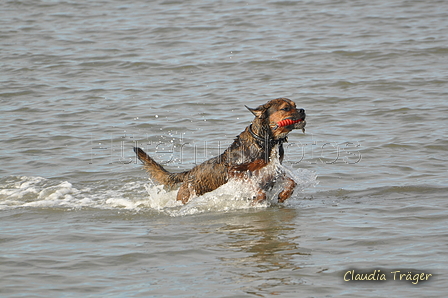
137 196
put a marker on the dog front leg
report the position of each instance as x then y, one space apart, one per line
260 197
287 192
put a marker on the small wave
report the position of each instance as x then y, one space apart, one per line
136 196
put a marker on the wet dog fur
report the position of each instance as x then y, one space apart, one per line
251 151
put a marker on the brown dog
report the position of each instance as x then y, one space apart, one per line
255 148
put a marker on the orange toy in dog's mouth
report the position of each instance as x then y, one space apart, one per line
298 124
286 122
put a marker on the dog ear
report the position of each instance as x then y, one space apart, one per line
259 112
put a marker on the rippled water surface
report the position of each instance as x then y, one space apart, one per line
82 82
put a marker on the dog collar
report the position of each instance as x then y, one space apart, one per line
256 136
267 139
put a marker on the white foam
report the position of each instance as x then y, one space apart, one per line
234 195
21 187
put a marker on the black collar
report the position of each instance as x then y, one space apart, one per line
267 139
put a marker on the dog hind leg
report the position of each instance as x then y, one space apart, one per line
184 193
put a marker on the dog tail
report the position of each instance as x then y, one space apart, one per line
157 172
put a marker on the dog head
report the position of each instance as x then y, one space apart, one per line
270 115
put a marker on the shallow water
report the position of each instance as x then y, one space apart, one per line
84 82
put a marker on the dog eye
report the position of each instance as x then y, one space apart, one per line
286 109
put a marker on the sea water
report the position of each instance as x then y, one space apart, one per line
83 82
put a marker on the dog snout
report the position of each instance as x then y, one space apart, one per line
301 113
